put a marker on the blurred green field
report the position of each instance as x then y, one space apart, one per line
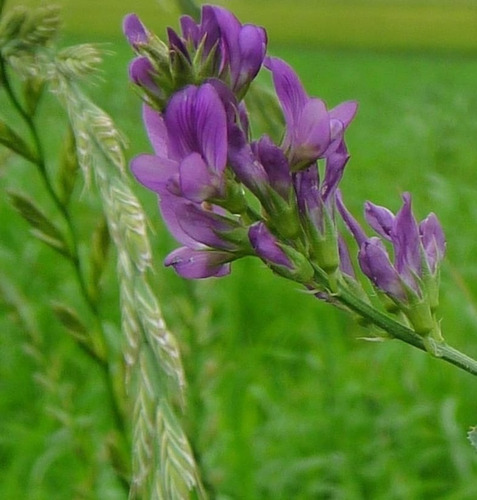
384 24
286 401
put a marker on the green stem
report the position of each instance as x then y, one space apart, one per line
403 333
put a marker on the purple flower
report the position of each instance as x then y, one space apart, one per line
135 31
312 132
418 250
266 246
281 258
243 49
191 263
261 165
211 240
187 171
316 203
190 145
141 72
217 47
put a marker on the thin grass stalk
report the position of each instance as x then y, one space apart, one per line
163 463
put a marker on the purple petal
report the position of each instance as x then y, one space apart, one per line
180 120
405 238
205 226
229 27
175 43
195 179
351 223
196 264
344 112
266 247
196 123
307 184
252 46
244 164
275 164
346 266
156 130
289 89
134 30
433 241
335 164
209 26
375 264
153 172
190 29
211 127
311 135
170 205
379 218
140 73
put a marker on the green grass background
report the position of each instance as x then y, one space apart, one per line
286 401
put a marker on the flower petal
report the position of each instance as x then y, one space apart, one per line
405 238
134 30
153 172
289 89
266 247
190 29
170 205
205 226
335 165
196 264
156 130
195 179
351 223
252 46
274 161
375 264
244 164
311 135
211 123
307 185
380 219
433 241
344 112
140 73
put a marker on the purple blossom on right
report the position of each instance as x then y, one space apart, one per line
412 280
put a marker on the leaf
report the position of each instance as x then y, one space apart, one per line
42 227
70 319
99 251
32 92
10 139
472 436
69 165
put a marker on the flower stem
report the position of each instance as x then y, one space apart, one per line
403 333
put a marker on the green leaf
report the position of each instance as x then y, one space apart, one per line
472 436
42 227
32 92
70 319
69 166
99 251
10 139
